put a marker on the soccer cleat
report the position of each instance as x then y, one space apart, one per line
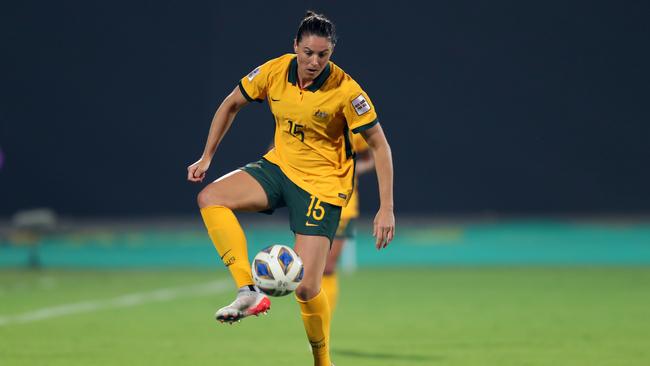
246 304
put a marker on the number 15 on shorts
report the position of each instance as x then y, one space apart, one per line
315 210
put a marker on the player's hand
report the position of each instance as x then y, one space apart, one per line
383 227
196 171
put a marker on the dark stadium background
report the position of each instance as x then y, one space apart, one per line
490 107
520 133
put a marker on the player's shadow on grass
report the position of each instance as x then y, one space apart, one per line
385 356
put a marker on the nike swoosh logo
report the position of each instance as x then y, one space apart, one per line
224 254
307 223
275 100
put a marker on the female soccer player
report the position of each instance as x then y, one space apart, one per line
310 170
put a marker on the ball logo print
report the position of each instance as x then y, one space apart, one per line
277 270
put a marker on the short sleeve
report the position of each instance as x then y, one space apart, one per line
359 111
359 144
254 85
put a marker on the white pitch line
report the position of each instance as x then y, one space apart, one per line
165 294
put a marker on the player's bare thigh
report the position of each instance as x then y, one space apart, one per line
313 252
237 190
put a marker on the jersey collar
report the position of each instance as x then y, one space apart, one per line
318 82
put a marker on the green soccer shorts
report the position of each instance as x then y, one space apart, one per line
308 215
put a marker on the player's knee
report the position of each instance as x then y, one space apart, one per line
203 198
210 197
307 292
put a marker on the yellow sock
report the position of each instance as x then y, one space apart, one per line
228 237
316 318
330 285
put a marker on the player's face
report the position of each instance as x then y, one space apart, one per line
314 53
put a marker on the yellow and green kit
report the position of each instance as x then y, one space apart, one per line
312 125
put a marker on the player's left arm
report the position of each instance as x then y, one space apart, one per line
384 224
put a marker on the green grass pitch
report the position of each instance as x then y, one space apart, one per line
495 316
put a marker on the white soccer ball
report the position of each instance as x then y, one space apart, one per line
277 270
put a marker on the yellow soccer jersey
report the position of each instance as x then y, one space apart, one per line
312 145
351 211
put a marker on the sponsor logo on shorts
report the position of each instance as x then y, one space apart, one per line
254 165
307 223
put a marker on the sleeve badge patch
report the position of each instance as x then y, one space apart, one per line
360 105
253 74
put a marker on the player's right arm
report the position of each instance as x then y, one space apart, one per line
220 124
252 87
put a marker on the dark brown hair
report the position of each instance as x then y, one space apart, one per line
316 25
